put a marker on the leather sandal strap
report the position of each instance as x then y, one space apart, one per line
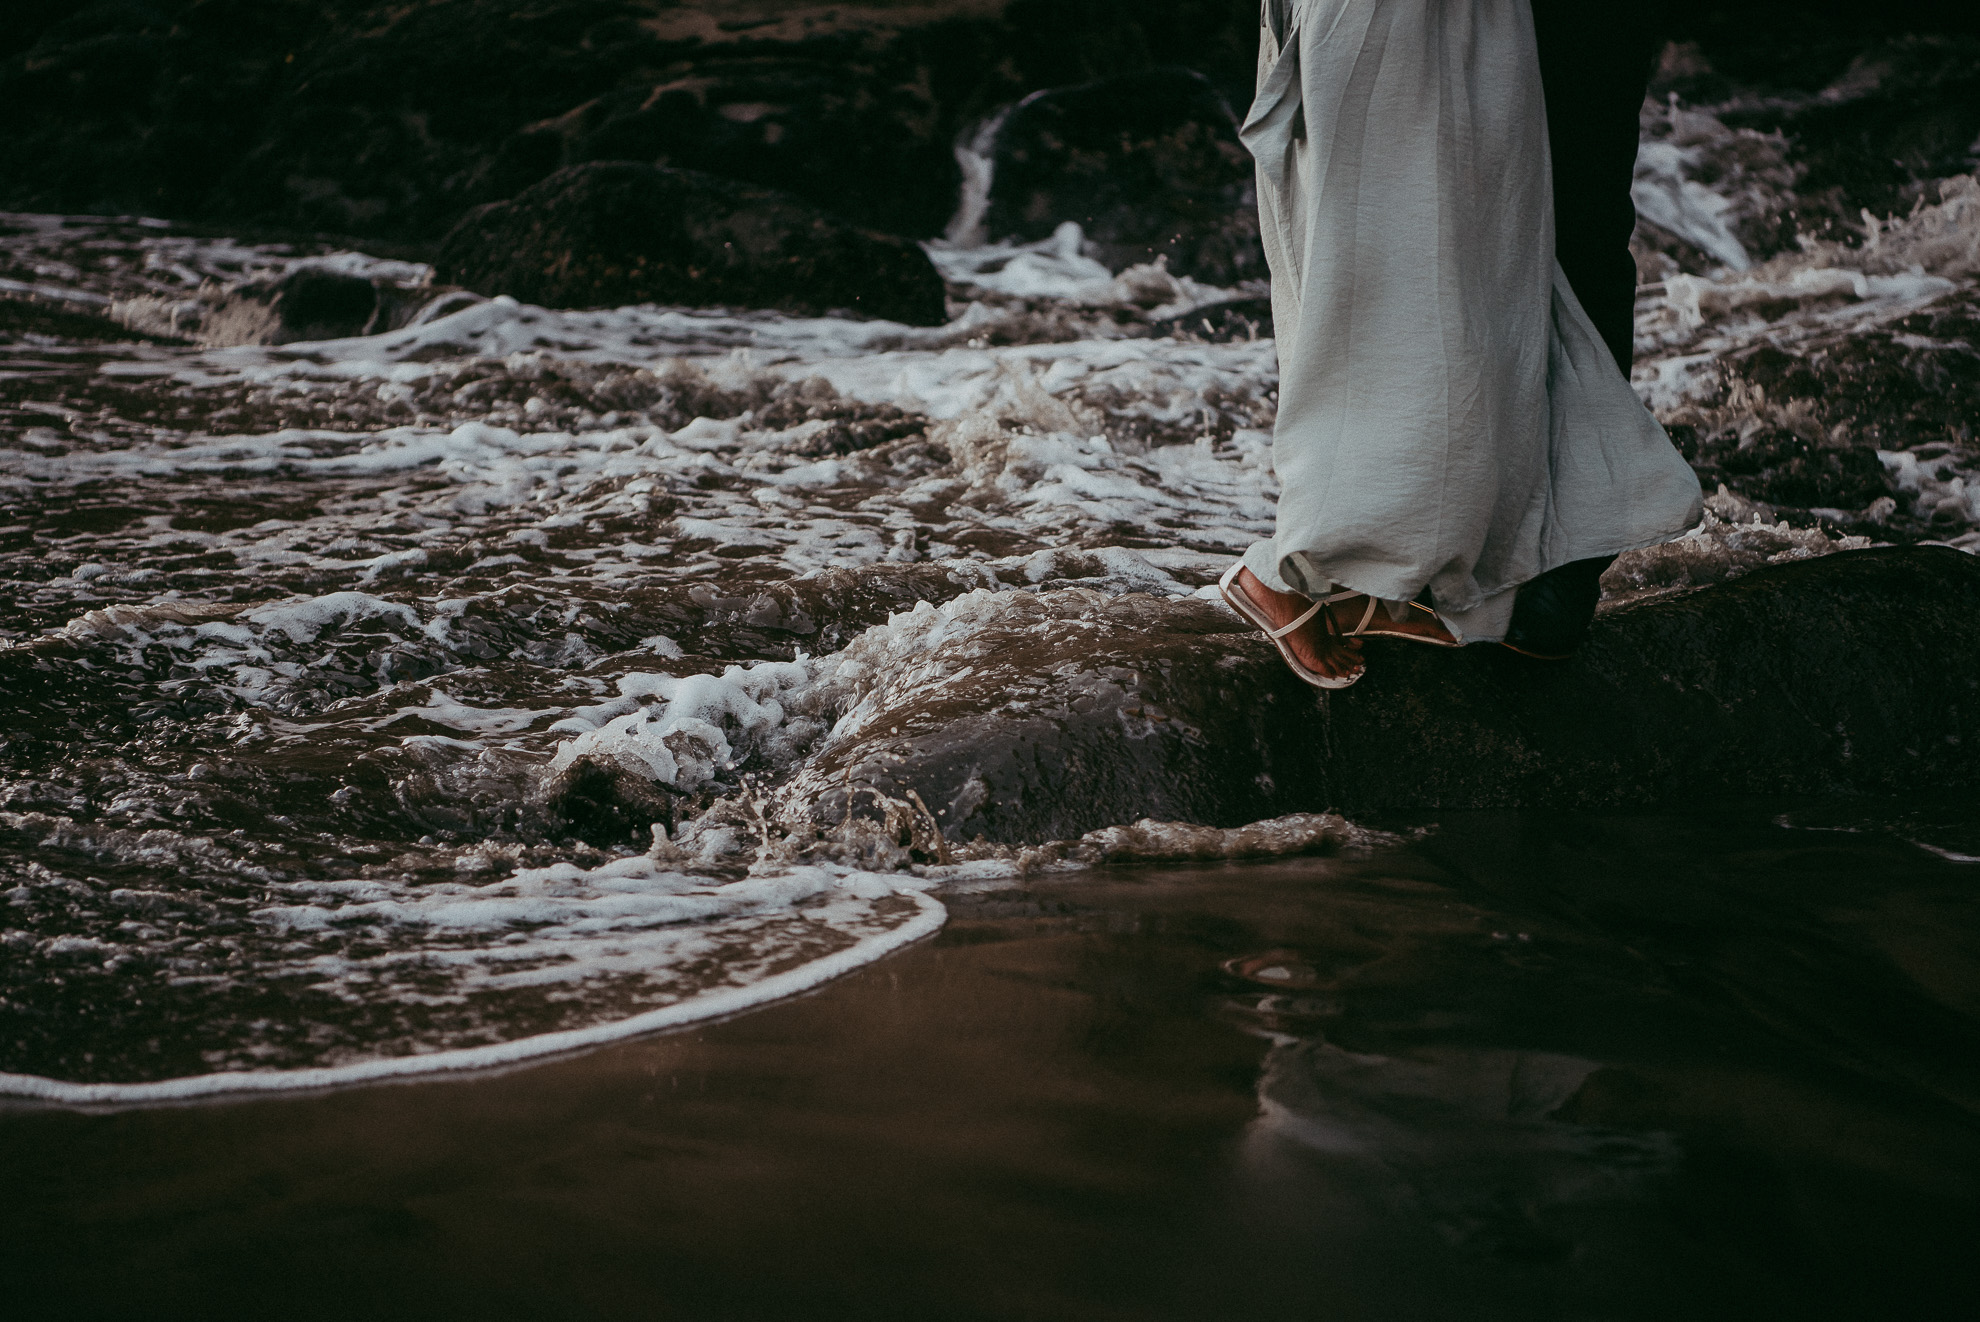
1435 618
1306 615
1366 616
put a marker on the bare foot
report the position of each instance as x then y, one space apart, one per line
1336 658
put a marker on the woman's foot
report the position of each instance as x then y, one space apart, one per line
1338 659
1419 623
1352 617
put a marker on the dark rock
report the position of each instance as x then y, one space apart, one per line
1148 163
604 804
1913 385
1784 47
1900 115
1846 674
375 117
1783 467
816 614
28 20
308 303
386 120
381 118
615 232
314 304
802 122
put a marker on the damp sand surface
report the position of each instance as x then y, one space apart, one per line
1520 1066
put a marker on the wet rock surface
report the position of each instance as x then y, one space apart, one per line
308 303
1803 678
613 233
1791 382
1898 115
1804 144
1042 718
1823 415
1148 164
353 675
1062 714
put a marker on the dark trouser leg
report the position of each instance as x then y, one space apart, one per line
1594 65
1552 613
1595 61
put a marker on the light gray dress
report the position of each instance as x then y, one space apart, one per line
1448 415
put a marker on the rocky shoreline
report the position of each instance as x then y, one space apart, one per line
1042 718
623 617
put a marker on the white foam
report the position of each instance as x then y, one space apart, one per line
440 709
1825 290
976 162
1950 855
1058 269
1049 268
149 259
695 726
1664 196
1026 422
1160 380
1697 300
64 293
302 619
926 919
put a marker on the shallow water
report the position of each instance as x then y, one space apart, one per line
346 679
1546 1067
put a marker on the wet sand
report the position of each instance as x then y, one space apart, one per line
1543 1067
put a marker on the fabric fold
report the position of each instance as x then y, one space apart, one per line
1275 120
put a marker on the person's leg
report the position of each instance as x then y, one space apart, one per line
1552 613
1595 62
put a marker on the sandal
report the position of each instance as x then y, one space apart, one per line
1370 627
1244 606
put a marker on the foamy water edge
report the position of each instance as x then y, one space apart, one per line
713 1005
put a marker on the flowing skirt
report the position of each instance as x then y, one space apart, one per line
1448 416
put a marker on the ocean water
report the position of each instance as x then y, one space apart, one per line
1521 1066
310 648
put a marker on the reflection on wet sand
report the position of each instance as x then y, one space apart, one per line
1619 1068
